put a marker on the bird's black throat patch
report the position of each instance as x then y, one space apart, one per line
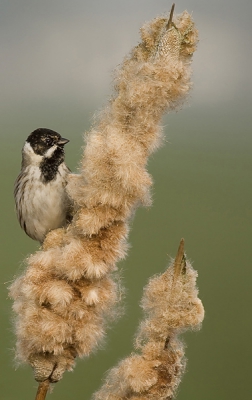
49 166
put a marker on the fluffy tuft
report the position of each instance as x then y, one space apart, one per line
67 292
171 305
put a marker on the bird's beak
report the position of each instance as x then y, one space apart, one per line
62 141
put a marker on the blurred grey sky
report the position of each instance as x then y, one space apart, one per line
57 49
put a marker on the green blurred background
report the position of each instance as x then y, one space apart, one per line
57 59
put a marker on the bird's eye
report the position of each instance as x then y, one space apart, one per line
49 141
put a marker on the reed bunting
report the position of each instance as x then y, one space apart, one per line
42 203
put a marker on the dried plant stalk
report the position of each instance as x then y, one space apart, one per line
171 306
42 390
68 290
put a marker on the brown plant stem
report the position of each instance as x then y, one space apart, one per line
179 262
169 24
42 390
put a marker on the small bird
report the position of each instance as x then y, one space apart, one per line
42 203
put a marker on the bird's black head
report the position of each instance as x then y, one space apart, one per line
43 139
49 145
